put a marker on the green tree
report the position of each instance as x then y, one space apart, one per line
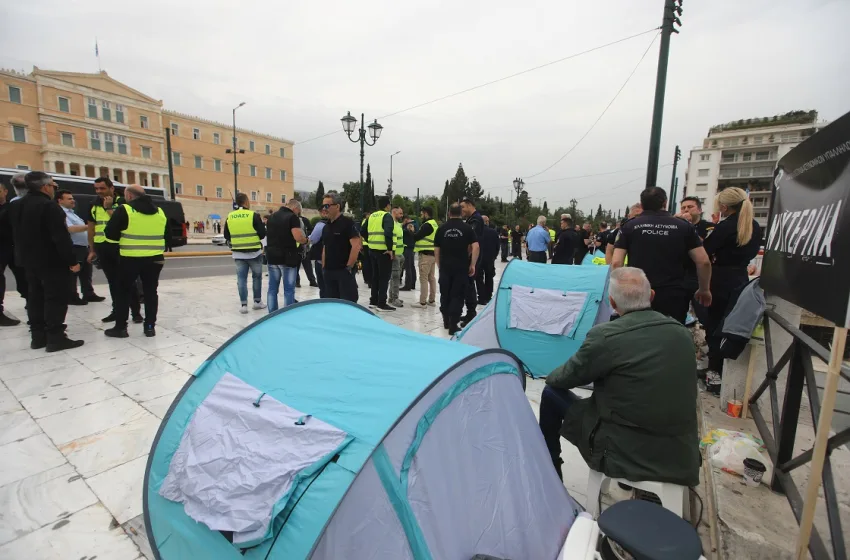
458 186
351 195
545 209
474 190
389 189
320 194
599 213
523 206
369 193
435 204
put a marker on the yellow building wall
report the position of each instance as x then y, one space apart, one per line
13 154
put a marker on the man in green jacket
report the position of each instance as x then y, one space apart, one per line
641 421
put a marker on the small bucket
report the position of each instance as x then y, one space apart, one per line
753 471
734 408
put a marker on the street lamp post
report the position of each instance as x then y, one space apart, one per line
518 186
234 151
348 124
391 168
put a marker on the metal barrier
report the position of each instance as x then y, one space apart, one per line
780 441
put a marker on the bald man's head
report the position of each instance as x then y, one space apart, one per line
133 191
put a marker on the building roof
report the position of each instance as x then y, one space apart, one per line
792 117
98 81
167 112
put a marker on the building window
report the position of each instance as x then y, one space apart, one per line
143 122
283 175
64 105
106 111
702 186
727 158
253 169
268 152
268 197
283 196
251 146
146 152
268 173
253 196
762 156
119 114
219 192
790 137
175 158
199 162
705 157
108 142
95 140
217 164
702 173
23 167
14 94
122 145
196 134
761 213
19 133
178 188
747 156
730 142
758 140
216 138
283 152
175 128
67 139
714 143
92 108
199 190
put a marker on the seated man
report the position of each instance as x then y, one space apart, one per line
641 421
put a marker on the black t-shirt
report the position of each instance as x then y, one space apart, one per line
581 244
454 239
729 261
516 237
658 244
566 246
336 237
281 245
602 238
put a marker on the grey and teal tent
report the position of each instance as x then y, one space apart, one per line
323 432
541 313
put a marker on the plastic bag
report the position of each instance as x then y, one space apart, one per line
729 451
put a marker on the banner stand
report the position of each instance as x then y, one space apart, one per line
836 357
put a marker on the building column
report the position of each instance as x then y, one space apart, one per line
118 175
154 179
143 178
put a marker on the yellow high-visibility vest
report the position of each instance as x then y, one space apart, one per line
243 236
375 231
552 234
145 234
427 242
398 233
364 233
101 218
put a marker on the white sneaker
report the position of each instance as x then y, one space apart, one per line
397 303
244 309
432 303
258 305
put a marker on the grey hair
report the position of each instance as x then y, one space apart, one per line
293 204
137 190
630 290
541 220
566 217
37 179
19 183
335 198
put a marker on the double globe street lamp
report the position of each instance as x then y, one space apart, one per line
348 125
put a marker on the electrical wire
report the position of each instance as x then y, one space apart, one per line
602 114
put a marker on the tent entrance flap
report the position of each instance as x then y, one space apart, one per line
242 455
555 312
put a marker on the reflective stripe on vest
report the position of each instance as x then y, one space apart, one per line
399 238
427 242
101 218
375 231
243 237
364 231
144 236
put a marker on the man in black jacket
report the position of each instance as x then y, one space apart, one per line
283 232
409 264
7 249
566 244
476 222
486 272
305 256
44 246
504 238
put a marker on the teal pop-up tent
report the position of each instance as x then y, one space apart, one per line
323 432
541 313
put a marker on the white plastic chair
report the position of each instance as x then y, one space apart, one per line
581 540
672 495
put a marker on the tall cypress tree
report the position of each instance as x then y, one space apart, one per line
320 194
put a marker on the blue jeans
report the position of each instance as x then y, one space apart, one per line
276 273
256 266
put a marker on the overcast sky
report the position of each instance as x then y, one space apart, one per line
300 65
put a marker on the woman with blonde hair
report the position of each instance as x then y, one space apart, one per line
734 242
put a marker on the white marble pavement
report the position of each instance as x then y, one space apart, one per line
76 426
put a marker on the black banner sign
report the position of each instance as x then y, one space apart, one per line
807 253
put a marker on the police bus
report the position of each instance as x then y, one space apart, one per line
83 190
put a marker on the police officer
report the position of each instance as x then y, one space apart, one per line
409 264
245 230
381 235
106 250
660 244
141 231
476 222
634 211
456 250
690 209
567 243
424 248
488 244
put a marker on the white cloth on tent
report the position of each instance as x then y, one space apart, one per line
549 311
236 460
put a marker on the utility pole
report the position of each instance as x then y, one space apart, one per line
677 155
672 9
390 190
170 163
235 151
417 201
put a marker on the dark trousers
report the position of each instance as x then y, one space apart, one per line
409 270
554 404
672 302
484 281
578 256
340 284
517 251
20 281
471 297
454 285
366 261
537 256
110 263
148 271
47 301
308 269
382 269
84 275
503 245
320 279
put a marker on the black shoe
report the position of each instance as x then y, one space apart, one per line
138 319
38 341
453 327
63 343
314 284
94 298
466 319
116 332
6 321
298 284
109 318
385 308
150 330
77 301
